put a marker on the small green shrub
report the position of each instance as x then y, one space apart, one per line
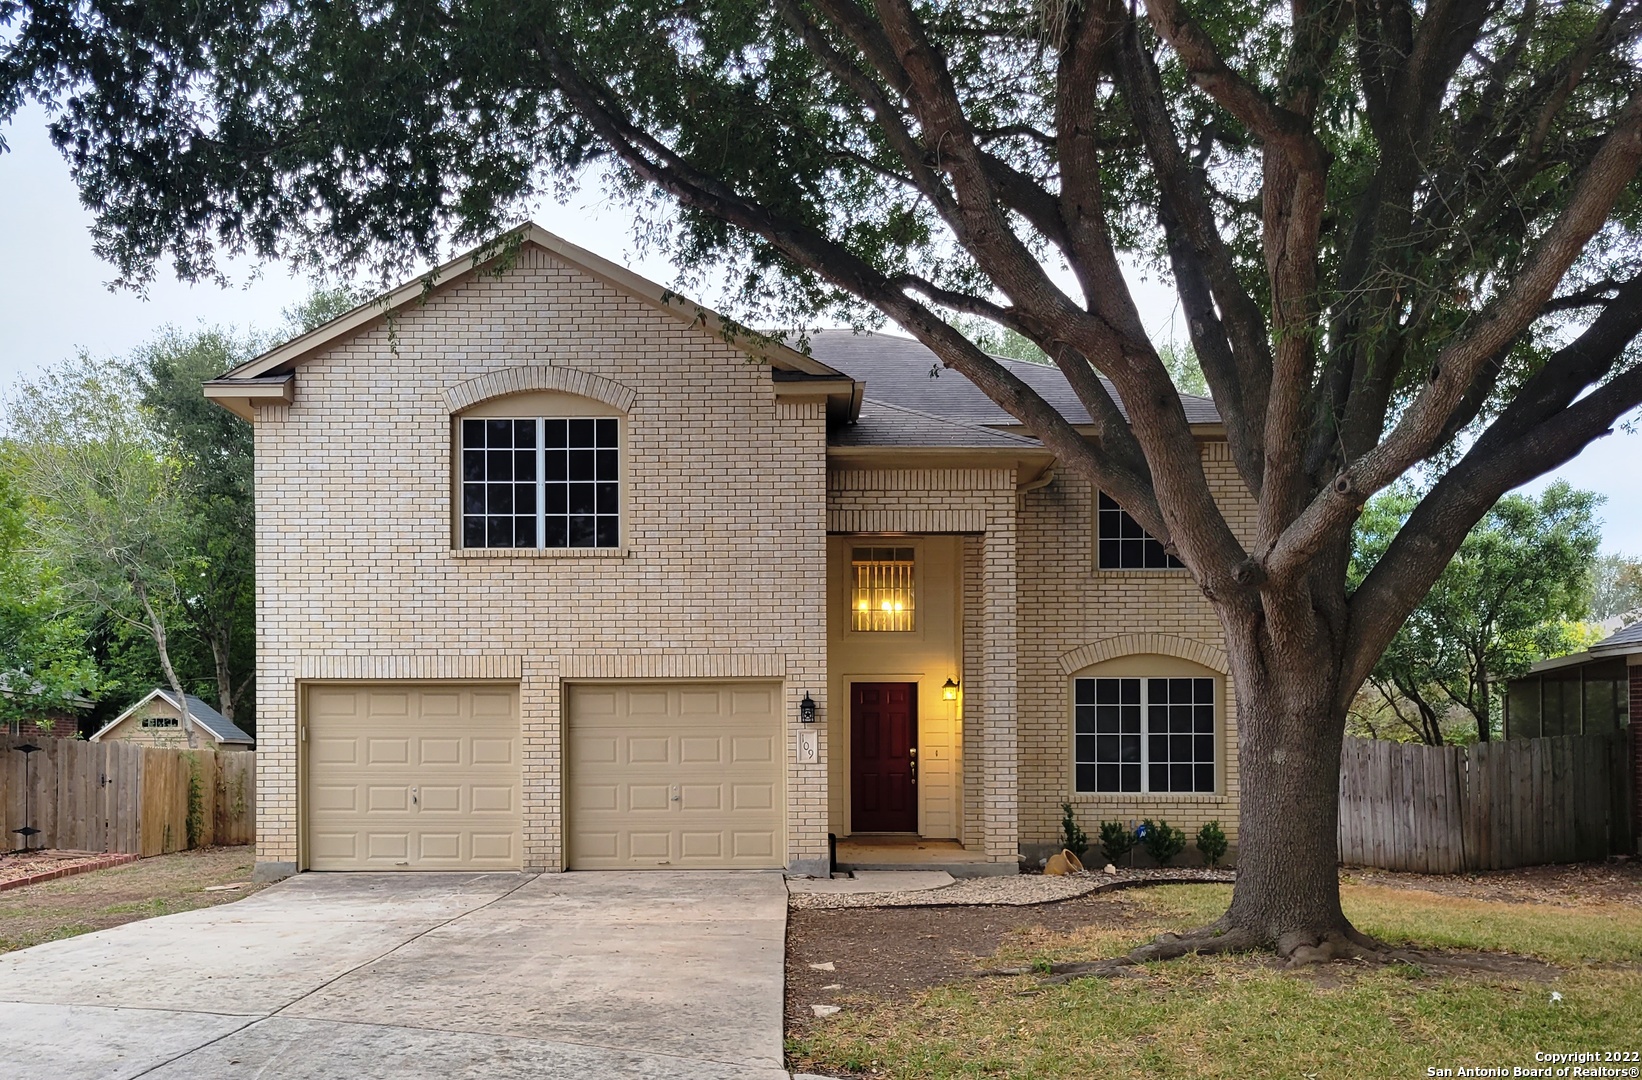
1073 838
1162 840
1211 841
1115 840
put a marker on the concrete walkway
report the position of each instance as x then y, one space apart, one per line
645 975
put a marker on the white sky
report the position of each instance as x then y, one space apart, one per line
54 300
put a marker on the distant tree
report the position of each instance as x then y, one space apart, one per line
1513 593
45 664
323 304
1184 371
213 450
107 506
998 340
1617 588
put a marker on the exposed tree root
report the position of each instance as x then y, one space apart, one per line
1298 950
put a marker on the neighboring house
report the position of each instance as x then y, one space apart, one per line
1590 692
1598 691
59 721
157 720
554 571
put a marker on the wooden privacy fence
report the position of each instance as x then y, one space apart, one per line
1490 806
119 796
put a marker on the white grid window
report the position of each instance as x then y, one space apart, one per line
882 598
1146 735
1124 545
543 482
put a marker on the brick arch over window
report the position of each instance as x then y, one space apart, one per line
537 377
1155 644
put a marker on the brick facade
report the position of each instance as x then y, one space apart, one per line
729 499
1073 615
357 577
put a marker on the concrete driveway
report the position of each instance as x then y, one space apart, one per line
652 975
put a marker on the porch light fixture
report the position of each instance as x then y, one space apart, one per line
949 690
806 709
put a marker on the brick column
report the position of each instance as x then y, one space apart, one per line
1000 833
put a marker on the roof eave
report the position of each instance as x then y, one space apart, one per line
243 397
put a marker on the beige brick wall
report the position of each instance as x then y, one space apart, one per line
722 574
1072 615
980 502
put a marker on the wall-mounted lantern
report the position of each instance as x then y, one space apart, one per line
806 709
949 690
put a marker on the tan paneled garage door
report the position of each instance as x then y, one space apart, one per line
675 775
413 777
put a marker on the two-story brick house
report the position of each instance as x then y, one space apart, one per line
556 573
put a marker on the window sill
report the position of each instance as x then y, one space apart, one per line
1146 796
540 553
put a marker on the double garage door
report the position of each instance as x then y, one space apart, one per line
429 776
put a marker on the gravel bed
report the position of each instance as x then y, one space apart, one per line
1019 890
15 865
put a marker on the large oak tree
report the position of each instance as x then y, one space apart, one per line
1403 235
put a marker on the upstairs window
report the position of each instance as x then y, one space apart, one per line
1124 545
541 482
882 598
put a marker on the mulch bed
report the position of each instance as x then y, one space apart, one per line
19 868
892 952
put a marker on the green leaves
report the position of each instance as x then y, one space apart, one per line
1513 594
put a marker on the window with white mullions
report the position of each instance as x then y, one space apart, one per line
1124 545
543 482
1143 735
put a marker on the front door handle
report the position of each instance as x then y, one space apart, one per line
415 799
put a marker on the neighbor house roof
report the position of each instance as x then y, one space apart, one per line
219 726
1622 642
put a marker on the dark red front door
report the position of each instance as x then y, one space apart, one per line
884 757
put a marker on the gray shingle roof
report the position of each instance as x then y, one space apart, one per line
210 719
1628 638
883 424
898 371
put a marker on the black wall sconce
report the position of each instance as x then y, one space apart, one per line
806 709
949 690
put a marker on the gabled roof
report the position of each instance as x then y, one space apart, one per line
218 726
902 371
269 377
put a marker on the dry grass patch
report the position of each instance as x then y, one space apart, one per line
162 885
1242 1016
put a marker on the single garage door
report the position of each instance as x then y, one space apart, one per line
675 775
406 776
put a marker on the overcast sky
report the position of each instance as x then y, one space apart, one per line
54 300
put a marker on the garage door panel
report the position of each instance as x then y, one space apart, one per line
419 777
675 775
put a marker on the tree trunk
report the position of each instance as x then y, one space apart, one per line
1484 711
1289 738
225 678
156 628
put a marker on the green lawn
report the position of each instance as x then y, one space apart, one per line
1243 1017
